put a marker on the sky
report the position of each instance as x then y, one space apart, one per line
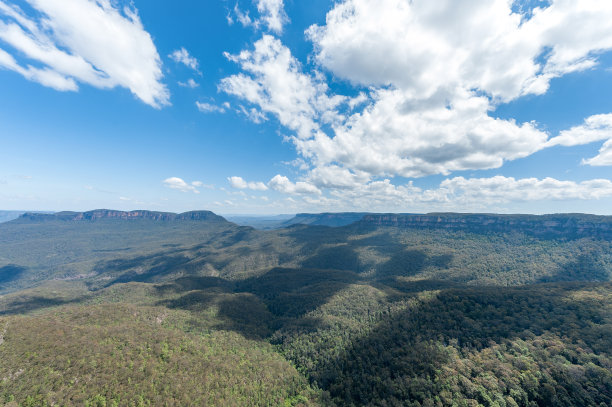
286 106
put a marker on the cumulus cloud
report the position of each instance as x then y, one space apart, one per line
82 41
182 56
240 183
189 84
209 108
282 184
430 73
604 157
451 194
460 192
275 84
439 46
595 128
392 138
504 189
181 185
272 14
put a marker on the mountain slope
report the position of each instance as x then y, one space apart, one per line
151 247
489 311
122 354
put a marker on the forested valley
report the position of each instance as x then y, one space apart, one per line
110 310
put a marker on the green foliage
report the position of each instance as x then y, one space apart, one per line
145 313
112 251
127 355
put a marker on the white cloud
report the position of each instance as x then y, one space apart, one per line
453 194
504 189
595 128
282 184
604 157
276 85
430 47
240 183
181 185
433 72
209 108
46 77
272 14
394 137
243 17
182 56
333 176
461 193
189 84
85 41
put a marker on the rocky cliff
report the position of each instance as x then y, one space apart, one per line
99 214
562 225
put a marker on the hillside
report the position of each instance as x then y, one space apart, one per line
74 245
102 248
6 216
418 310
135 355
558 225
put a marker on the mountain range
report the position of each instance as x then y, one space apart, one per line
325 309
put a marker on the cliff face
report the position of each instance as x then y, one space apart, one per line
568 225
325 219
99 214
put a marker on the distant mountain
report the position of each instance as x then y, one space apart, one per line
260 222
6 216
555 225
154 308
98 214
325 219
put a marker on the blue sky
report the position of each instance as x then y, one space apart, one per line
272 106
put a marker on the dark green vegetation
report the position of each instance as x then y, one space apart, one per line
141 311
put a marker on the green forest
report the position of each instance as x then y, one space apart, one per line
148 313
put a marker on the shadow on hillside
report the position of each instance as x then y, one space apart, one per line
385 243
330 248
586 267
35 303
403 355
192 283
341 257
147 268
242 312
295 292
11 272
414 286
255 307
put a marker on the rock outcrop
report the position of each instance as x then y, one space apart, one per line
558 225
100 214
